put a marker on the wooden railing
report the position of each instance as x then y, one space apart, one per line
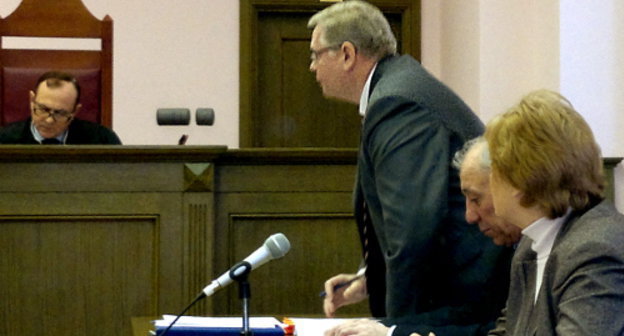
92 236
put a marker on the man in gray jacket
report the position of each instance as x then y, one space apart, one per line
568 270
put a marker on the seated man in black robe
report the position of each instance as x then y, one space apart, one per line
54 105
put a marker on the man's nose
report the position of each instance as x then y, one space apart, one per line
472 216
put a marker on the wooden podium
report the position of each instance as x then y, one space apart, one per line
93 236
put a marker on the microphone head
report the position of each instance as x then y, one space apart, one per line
278 245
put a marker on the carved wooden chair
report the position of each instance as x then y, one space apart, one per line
20 67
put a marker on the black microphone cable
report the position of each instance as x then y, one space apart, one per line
276 246
239 271
199 297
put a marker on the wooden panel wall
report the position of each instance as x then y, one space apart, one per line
308 201
68 272
95 236
91 238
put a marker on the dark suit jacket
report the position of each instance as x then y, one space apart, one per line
426 265
80 132
582 291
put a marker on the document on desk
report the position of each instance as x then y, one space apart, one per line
316 326
264 326
217 322
218 326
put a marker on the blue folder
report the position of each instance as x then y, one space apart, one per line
214 331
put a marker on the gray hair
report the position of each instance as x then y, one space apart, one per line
480 144
358 22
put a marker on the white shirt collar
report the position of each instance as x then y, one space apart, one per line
543 233
35 132
366 92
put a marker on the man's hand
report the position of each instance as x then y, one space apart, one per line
353 293
358 328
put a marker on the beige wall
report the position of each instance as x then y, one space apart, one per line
171 54
186 54
493 52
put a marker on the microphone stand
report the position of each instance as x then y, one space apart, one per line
240 273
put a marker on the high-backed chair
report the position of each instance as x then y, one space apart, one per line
20 67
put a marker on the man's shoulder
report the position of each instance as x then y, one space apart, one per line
596 232
402 79
603 219
405 77
14 125
398 60
398 70
85 124
87 132
15 133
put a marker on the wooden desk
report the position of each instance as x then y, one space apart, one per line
93 236
141 326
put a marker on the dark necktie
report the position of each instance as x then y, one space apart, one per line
50 141
366 229
527 270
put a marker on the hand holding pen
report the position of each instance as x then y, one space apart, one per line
360 274
343 289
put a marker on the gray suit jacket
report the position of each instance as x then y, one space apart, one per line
582 291
426 266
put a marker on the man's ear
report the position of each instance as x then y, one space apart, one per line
77 108
349 54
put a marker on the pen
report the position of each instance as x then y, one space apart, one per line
360 274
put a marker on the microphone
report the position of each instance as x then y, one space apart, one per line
275 247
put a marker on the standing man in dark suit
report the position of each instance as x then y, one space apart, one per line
54 104
473 164
547 178
423 262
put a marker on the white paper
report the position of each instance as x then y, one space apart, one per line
315 326
217 322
